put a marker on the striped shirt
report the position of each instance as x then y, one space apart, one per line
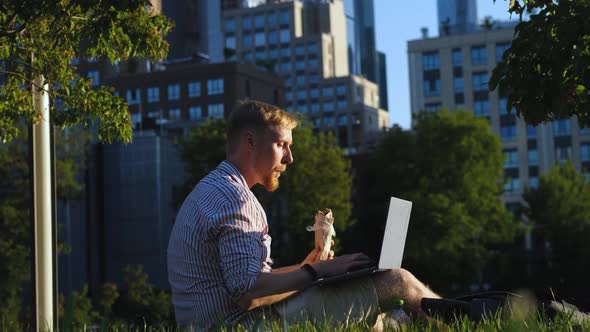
218 246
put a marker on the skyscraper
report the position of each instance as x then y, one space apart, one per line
456 16
197 31
306 43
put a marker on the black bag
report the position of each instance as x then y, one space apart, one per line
480 305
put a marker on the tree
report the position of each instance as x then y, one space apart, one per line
318 178
40 38
560 211
545 74
15 196
451 168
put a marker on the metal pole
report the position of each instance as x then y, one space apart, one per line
42 197
54 228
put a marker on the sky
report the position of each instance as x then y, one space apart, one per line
399 21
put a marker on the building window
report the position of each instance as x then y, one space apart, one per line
328 106
563 154
272 39
531 131
534 182
174 114
247 40
289 96
457 57
153 94
585 151
342 104
258 21
300 50
133 96
285 52
195 113
328 91
246 23
273 53
135 118
216 111
562 127
432 88
95 76
459 84
230 25
512 186
340 90
313 79
173 91
481 108
215 86
272 20
230 42
510 158
480 81
432 107
285 67
301 94
478 55
315 108
300 65
259 39
312 64
502 106
284 17
284 36
533 157
194 89
312 49
314 93
508 133
500 49
430 61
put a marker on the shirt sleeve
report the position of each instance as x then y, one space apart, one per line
241 250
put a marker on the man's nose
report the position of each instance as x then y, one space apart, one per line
288 157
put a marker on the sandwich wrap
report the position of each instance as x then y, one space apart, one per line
324 231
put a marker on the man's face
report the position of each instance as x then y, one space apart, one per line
272 155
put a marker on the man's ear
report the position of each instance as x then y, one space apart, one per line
250 139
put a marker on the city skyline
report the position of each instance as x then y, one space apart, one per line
393 33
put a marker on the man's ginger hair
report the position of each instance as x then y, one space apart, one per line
256 116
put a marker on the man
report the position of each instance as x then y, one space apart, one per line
219 261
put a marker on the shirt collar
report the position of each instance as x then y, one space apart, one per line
230 169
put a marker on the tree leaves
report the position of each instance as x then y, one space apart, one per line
559 208
42 37
546 73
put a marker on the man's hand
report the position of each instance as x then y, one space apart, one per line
310 259
342 264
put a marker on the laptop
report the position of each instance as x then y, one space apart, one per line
392 248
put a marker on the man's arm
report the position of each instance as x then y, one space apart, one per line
271 287
310 259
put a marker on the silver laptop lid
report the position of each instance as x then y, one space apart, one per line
394 239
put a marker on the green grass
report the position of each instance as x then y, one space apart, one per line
561 322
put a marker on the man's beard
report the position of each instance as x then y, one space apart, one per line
271 183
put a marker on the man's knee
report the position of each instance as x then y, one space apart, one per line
400 277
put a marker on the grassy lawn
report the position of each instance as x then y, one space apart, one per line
562 322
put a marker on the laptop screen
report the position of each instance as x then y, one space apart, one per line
394 239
